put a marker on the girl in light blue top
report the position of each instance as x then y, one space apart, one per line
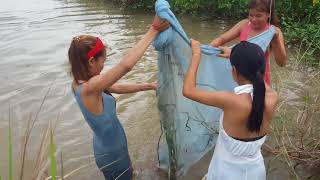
93 89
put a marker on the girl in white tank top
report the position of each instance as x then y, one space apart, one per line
246 117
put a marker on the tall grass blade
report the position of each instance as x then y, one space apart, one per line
52 159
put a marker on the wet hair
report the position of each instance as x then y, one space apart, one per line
78 58
249 61
264 6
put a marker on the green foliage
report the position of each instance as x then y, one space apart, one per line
221 7
301 24
299 20
232 7
299 11
138 4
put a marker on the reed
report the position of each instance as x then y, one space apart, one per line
295 131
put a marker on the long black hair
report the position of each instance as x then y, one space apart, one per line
249 61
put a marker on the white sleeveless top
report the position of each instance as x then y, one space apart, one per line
237 160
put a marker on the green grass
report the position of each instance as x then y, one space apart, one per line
52 159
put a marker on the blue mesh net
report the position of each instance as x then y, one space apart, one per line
190 128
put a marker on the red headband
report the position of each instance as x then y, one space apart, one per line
97 48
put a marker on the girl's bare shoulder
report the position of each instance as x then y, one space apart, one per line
243 22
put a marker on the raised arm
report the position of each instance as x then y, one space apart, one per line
221 100
131 88
278 48
230 35
103 81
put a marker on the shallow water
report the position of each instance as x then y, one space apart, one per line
35 37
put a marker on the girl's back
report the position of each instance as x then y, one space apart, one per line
238 155
236 119
246 117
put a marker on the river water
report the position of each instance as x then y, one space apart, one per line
35 36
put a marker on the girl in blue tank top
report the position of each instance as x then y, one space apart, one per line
93 89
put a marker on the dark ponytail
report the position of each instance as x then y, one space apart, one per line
256 115
249 61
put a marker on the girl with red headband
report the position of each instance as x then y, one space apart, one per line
92 90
